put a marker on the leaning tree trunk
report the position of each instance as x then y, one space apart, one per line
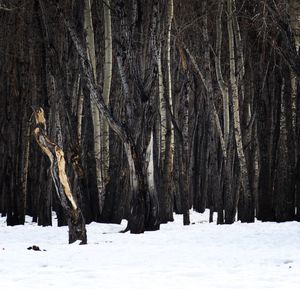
55 154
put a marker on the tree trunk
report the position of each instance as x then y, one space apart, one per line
55 154
221 82
168 129
88 23
106 85
247 214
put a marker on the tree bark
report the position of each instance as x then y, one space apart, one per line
107 79
76 223
88 23
247 214
168 130
223 86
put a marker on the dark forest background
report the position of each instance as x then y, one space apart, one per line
159 107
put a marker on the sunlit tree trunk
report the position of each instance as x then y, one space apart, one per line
247 214
88 24
229 196
61 182
165 154
107 75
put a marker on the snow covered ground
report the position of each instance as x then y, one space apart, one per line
202 256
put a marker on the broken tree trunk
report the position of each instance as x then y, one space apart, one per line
55 154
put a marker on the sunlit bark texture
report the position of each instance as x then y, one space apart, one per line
55 154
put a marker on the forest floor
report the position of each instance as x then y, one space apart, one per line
202 255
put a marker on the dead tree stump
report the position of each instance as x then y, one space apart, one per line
76 222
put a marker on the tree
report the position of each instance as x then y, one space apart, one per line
55 154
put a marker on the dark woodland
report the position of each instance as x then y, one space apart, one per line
138 109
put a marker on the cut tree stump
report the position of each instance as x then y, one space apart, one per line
76 222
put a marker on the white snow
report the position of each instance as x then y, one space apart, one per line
202 255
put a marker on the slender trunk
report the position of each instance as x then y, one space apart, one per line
213 117
185 156
106 85
222 85
254 150
166 127
245 99
247 215
162 106
169 148
25 163
88 24
80 101
170 11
